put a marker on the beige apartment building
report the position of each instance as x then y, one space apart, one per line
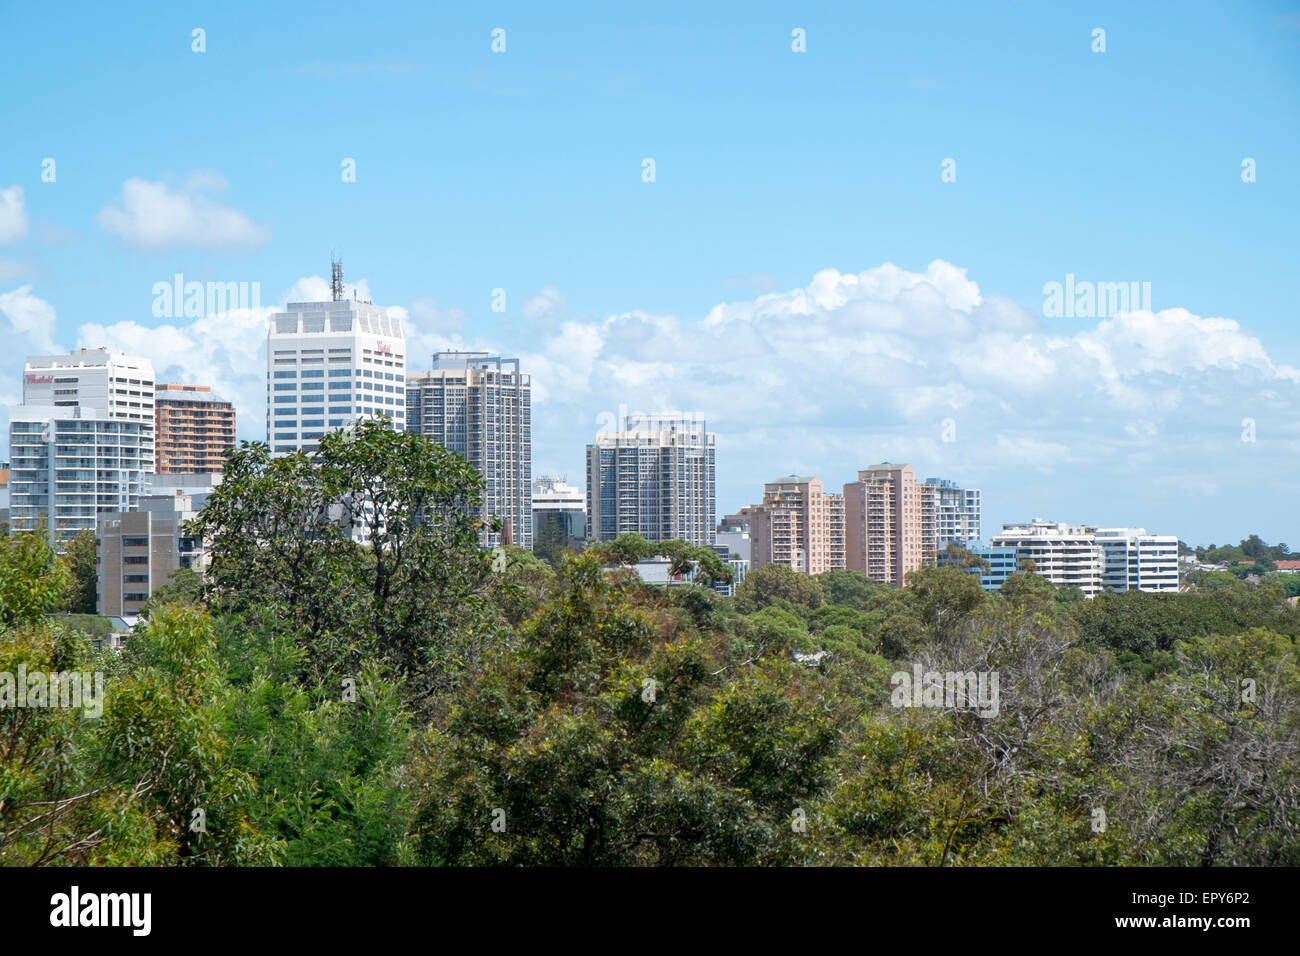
890 523
194 429
798 524
136 551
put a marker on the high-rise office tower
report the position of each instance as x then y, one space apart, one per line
329 364
82 441
194 429
798 525
889 523
656 478
957 513
480 406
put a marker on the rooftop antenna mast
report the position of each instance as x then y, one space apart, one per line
336 278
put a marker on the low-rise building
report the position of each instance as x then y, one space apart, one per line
1001 563
1137 561
1094 559
136 551
1067 555
556 502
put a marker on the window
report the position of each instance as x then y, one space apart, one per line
334 372
286 399
284 448
286 387
313 423
135 559
286 411
293 374
282 435
135 579
313 373
336 422
135 542
313 386
314 410
340 409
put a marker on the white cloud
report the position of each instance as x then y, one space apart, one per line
858 367
28 318
152 215
226 351
317 289
548 303
13 214
27 328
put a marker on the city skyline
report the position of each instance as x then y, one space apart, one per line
799 273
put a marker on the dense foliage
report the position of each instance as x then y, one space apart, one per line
353 682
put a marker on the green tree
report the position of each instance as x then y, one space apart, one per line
32 579
367 549
550 541
82 595
625 550
848 588
778 582
603 743
945 596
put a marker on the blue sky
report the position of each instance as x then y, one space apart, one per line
522 170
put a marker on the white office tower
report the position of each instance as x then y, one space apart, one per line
112 383
1067 555
82 441
654 478
480 406
1137 561
329 364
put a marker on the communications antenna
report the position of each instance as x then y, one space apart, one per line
336 279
